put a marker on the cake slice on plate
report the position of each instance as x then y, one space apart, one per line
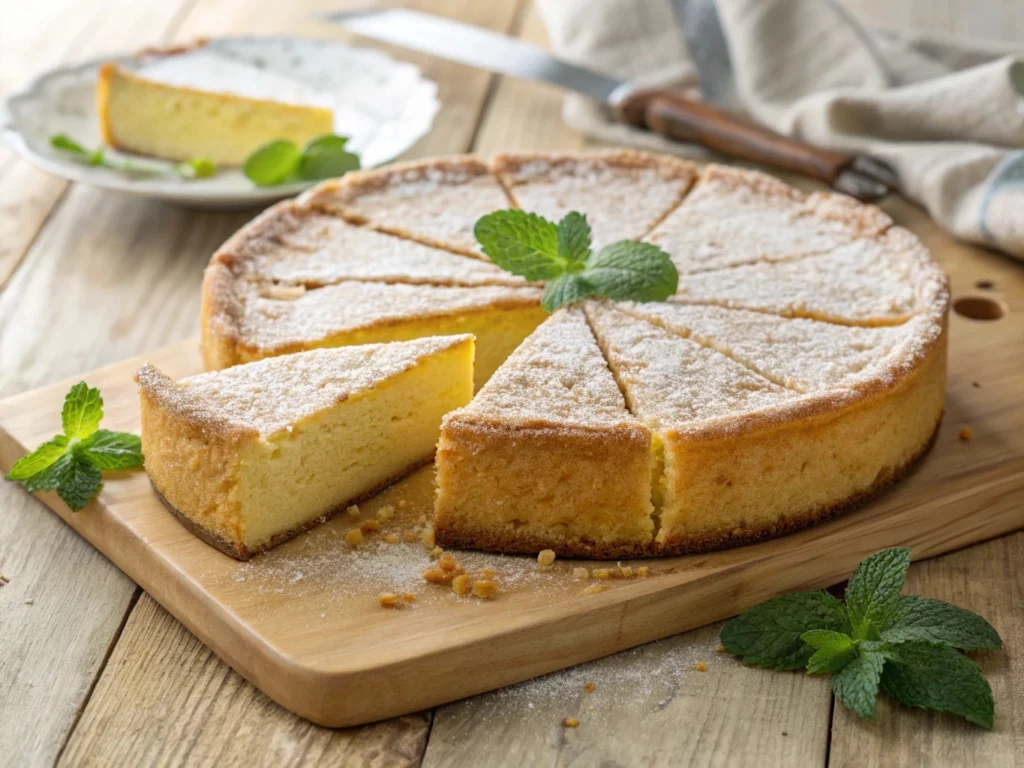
436 202
293 243
734 216
250 456
547 456
623 193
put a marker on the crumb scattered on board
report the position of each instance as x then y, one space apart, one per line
966 433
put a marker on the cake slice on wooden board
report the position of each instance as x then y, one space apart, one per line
734 216
547 456
801 354
879 281
245 321
297 244
624 194
181 119
436 202
744 458
250 456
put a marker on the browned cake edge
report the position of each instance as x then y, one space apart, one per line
240 552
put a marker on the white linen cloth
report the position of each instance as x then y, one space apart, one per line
947 113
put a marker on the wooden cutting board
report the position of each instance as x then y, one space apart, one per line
303 622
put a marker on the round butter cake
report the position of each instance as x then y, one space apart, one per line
798 370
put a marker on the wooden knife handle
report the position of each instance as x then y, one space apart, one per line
683 119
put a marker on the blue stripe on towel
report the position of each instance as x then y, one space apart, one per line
1007 175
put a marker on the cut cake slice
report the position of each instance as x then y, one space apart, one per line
734 216
245 321
250 456
436 202
292 243
525 466
623 194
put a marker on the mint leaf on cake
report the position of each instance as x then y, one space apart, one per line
879 640
72 463
537 249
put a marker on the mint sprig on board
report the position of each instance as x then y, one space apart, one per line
72 463
196 168
282 162
560 254
907 646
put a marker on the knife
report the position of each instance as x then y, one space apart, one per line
661 111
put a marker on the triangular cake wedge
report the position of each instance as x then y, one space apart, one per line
297 244
547 456
880 281
436 202
734 216
250 456
801 354
744 458
624 194
246 321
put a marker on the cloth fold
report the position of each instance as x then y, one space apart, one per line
948 113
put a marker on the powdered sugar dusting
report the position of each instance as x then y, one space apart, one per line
270 395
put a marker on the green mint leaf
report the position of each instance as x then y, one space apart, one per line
49 478
936 621
65 143
522 243
936 676
827 639
856 684
273 163
41 458
325 157
833 650
873 590
574 238
769 634
79 482
565 289
83 409
111 450
197 168
632 271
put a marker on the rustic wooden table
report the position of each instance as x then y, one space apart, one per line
94 672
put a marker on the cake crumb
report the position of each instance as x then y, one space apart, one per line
643 572
485 588
369 526
388 599
409 597
580 573
488 573
546 557
461 585
594 589
720 648
447 561
625 572
966 433
385 513
392 538
976 385
701 667
436 552
427 538
4 580
353 511
30 601
402 503
354 537
437 575
571 722
602 573
410 536
589 687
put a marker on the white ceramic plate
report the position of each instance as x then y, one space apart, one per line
382 105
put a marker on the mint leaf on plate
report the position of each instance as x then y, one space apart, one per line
282 162
72 463
856 684
325 157
873 590
936 621
936 676
770 634
272 164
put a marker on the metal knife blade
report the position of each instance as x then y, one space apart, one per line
477 47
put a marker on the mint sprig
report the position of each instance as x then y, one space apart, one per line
282 162
560 254
72 463
196 168
904 645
